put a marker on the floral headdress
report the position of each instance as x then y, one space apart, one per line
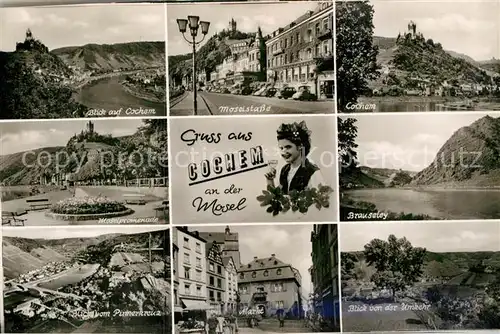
296 132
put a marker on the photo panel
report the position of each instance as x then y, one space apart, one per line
256 278
419 167
259 169
87 280
251 58
398 56
420 276
84 172
78 61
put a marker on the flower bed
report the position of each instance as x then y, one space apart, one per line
87 205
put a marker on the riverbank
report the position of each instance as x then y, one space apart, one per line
143 94
422 103
351 210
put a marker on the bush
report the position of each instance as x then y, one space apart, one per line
87 205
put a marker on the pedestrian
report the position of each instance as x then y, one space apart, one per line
212 324
281 317
220 324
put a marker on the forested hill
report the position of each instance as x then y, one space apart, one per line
412 55
108 57
35 84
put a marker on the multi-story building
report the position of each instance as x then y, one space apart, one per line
301 54
269 285
175 265
228 242
231 284
191 269
216 278
324 272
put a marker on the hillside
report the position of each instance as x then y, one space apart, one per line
21 255
466 268
389 177
81 157
108 57
33 86
492 65
411 57
470 157
362 178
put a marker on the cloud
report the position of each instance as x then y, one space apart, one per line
453 22
20 16
27 140
79 25
383 154
465 239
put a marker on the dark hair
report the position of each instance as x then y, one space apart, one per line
297 133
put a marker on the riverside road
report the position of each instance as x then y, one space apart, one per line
228 104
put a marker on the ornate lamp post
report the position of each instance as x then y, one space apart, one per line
193 23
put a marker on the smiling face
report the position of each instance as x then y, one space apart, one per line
289 151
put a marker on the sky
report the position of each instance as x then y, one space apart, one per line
76 231
252 183
406 141
18 3
248 17
290 243
470 28
83 24
471 236
25 136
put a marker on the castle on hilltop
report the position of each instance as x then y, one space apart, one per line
232 25
89 128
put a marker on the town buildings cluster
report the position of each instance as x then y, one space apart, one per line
288 57
209 275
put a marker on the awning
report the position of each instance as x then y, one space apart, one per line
195 305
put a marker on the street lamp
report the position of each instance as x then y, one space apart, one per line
193 23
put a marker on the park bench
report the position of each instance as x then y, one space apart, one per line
134 199
162 209
38 204
9 218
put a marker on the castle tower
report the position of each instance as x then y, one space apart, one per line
29 35
90 127
232 25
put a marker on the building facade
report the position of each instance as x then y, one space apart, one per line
216 278
228 242
301 54
268 284
324 272
175 279
191 270
231 293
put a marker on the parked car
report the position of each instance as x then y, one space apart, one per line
246 91
260 91
304 94
285 93
270 92
225 91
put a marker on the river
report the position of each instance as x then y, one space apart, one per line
444 204
390 104
109 94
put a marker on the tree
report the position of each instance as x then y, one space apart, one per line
356 54
348 264
347 133
397 263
